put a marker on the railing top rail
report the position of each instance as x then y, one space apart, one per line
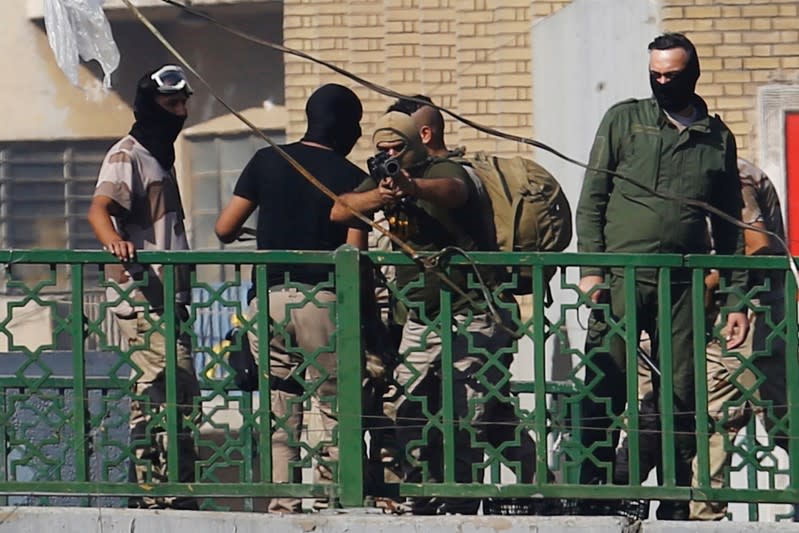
234 257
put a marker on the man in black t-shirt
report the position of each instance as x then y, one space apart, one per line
294 215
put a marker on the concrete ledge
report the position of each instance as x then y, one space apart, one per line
652 526
79 520
109 520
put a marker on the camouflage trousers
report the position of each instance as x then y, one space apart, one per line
487 413
748 380
148 409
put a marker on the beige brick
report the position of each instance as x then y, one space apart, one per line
727 24
688 25
730 63
364 33
761 24
467 107
733 50
541 9
786 49
729 76
733 37
475 94
750 89
789 62
712 89
733 89
514 80
785 23
730 12
711 102
733 102
788 36
789 10
707 37
766 10
304 33
739 129
732 116
752 63
759 37
477 43
762 50
479 17
761 76
702 12
368 57
672 13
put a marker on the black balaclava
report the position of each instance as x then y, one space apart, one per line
678 93
334 115
155 127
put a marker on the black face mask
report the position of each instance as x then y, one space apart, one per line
334 115
677 93
155 127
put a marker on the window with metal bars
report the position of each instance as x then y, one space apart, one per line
45 192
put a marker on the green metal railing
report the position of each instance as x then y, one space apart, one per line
65 427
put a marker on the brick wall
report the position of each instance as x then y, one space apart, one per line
473 56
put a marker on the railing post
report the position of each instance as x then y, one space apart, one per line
264 392
700 376
632 338
350 372
540 374
169 323
665 361
79 393
792 373
447 412
4 415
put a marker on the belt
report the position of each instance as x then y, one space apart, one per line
288 385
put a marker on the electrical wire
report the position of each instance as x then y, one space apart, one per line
492 131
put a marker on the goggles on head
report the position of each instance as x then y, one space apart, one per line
171 79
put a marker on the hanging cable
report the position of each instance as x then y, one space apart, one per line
492 131
430 264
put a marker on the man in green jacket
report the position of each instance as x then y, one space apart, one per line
671 145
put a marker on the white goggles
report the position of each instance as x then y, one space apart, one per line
171 79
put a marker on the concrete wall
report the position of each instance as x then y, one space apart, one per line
36 100
38 103
35 520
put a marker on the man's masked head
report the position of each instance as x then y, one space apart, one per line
400 132
156 128
334 116
673 86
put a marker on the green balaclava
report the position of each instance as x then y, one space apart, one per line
396 126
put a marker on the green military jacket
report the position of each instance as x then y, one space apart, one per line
637 140
426 227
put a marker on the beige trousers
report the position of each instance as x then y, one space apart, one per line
302 357
735 391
